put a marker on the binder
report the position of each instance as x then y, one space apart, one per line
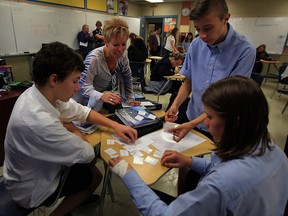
138 117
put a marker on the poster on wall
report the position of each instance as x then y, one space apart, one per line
169 23
110 6
123 7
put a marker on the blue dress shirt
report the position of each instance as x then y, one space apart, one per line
205 64
248 186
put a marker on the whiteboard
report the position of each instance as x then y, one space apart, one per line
271 31
25 27
7 44
133 23
36 24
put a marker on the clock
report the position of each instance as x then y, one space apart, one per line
185 11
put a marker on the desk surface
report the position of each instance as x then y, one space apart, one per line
174 77
271 62
155 57
150 173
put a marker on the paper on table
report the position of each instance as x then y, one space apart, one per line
164 141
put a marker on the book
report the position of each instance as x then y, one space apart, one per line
86 127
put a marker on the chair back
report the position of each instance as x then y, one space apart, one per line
282 68
258 78
137 69
7 206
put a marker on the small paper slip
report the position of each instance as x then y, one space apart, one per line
141 112
151 160
158 154
168 125
138 160
114 156
139 117
136 153
146 149
83 44
151 116
110 151
110 142
146 103
124 153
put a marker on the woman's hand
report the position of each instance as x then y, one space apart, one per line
128 134
180 131
173 159
111 98
134 103
172 114
119 166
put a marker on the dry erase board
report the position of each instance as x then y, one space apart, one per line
25 27
271 31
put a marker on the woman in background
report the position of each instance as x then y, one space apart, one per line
261 54
186 43
170 45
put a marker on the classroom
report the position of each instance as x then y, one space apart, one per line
31 24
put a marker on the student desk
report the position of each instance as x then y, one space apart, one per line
178 77
273 62
156 58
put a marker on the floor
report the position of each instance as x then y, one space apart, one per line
123 204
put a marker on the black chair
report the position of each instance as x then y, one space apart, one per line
258 78
137 69
283 81
8 207
283 91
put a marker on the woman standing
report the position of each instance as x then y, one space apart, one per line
186 43
170 45
107 69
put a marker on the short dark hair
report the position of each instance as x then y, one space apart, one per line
55 58
241 103
202 8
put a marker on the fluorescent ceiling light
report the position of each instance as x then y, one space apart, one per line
155 1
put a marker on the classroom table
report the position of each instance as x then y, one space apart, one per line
178 77
156 58
149 173
273 62
147 66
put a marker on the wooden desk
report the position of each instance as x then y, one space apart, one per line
156 58
178 77
150 173
273 62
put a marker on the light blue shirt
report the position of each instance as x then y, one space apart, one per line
205 64
247 186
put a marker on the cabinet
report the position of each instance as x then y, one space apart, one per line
7 102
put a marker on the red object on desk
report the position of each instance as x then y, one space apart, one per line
7 102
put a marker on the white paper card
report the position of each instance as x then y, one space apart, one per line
124 153
139 117
110 142
151 160
138 160
110 151
158 154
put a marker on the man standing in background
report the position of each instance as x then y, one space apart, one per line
155 45
85 41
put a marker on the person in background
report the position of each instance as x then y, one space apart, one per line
85 41
186 43
217 53
97 33
247 173
137 54
107 69
155 42
137 45
170 44
41 138
260 54
164 67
